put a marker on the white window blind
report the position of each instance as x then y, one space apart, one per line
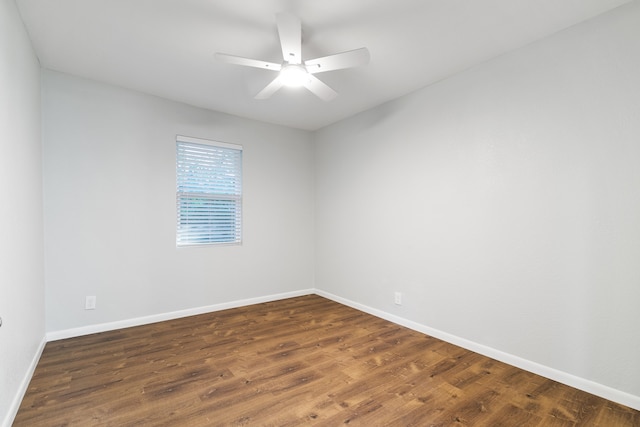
208 192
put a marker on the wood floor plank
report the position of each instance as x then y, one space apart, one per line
300 361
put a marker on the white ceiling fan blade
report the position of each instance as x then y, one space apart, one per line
319 88
351 58
290 32
270 89
239 60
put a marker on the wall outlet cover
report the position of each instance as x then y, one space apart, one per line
397 299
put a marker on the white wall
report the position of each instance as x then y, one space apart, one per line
110 215
21 247
504 203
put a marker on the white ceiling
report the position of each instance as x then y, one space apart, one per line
166 47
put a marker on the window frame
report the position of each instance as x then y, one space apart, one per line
183 237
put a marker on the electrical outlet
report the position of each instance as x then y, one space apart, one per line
90 303
397 299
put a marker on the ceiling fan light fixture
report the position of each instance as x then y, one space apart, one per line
294 75
295 72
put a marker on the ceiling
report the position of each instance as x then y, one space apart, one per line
166 47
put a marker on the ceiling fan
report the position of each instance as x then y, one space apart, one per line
294 71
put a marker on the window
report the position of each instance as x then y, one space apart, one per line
208 192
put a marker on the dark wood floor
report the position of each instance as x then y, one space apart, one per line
300 361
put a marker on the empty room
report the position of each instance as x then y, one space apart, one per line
283 212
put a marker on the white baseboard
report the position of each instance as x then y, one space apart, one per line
592 387
138 321
17 400
589 386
